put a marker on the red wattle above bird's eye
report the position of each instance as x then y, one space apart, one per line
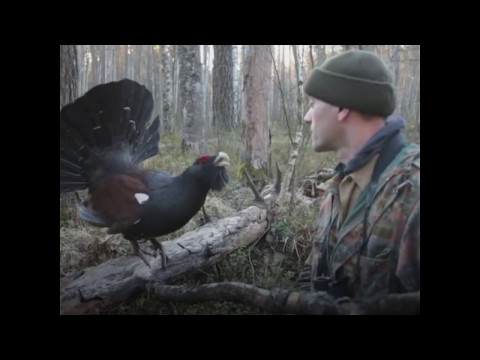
203 159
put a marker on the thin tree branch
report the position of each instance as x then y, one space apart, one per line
278 182
250 184
283 97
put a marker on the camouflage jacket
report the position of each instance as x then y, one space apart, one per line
390 259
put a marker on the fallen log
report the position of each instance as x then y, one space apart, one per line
99 288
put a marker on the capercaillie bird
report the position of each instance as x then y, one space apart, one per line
104 136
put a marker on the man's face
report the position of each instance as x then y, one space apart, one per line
323 120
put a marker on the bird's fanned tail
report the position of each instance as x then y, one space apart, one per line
104 132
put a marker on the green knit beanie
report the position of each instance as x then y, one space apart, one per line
357 80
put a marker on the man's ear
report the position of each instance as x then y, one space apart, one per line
343 113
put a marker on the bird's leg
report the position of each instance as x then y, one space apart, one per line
171 308
218 273
205 216
136 251
158 247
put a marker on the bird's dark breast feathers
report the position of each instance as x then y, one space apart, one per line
167 210
220 180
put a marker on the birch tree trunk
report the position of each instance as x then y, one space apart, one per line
190 79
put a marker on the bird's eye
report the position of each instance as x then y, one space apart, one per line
203 159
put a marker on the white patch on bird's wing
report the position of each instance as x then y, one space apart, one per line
126 108
141 197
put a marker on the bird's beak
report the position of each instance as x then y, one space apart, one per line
222 159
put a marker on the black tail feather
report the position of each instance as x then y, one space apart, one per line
106 130
147 146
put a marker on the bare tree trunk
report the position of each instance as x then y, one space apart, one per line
134 52
395 69
108 60
148 69
115 49
269 90
88 69
304 71
415 100
93 77
176 91
68 93
289 173
288 184
167 92
276 114
236 84
80 67
283 82
395 60
156 64
321 54
131 61
207 95
299 85
68 74
110 56
205 84
190 74
283 99
291 86
128 62
137 63
311 59
241 84
143 66
102 63
121 62
222 87
255 130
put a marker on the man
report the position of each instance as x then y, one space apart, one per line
367 239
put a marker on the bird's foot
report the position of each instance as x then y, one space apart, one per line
171 308
137 252
206 219
159 251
